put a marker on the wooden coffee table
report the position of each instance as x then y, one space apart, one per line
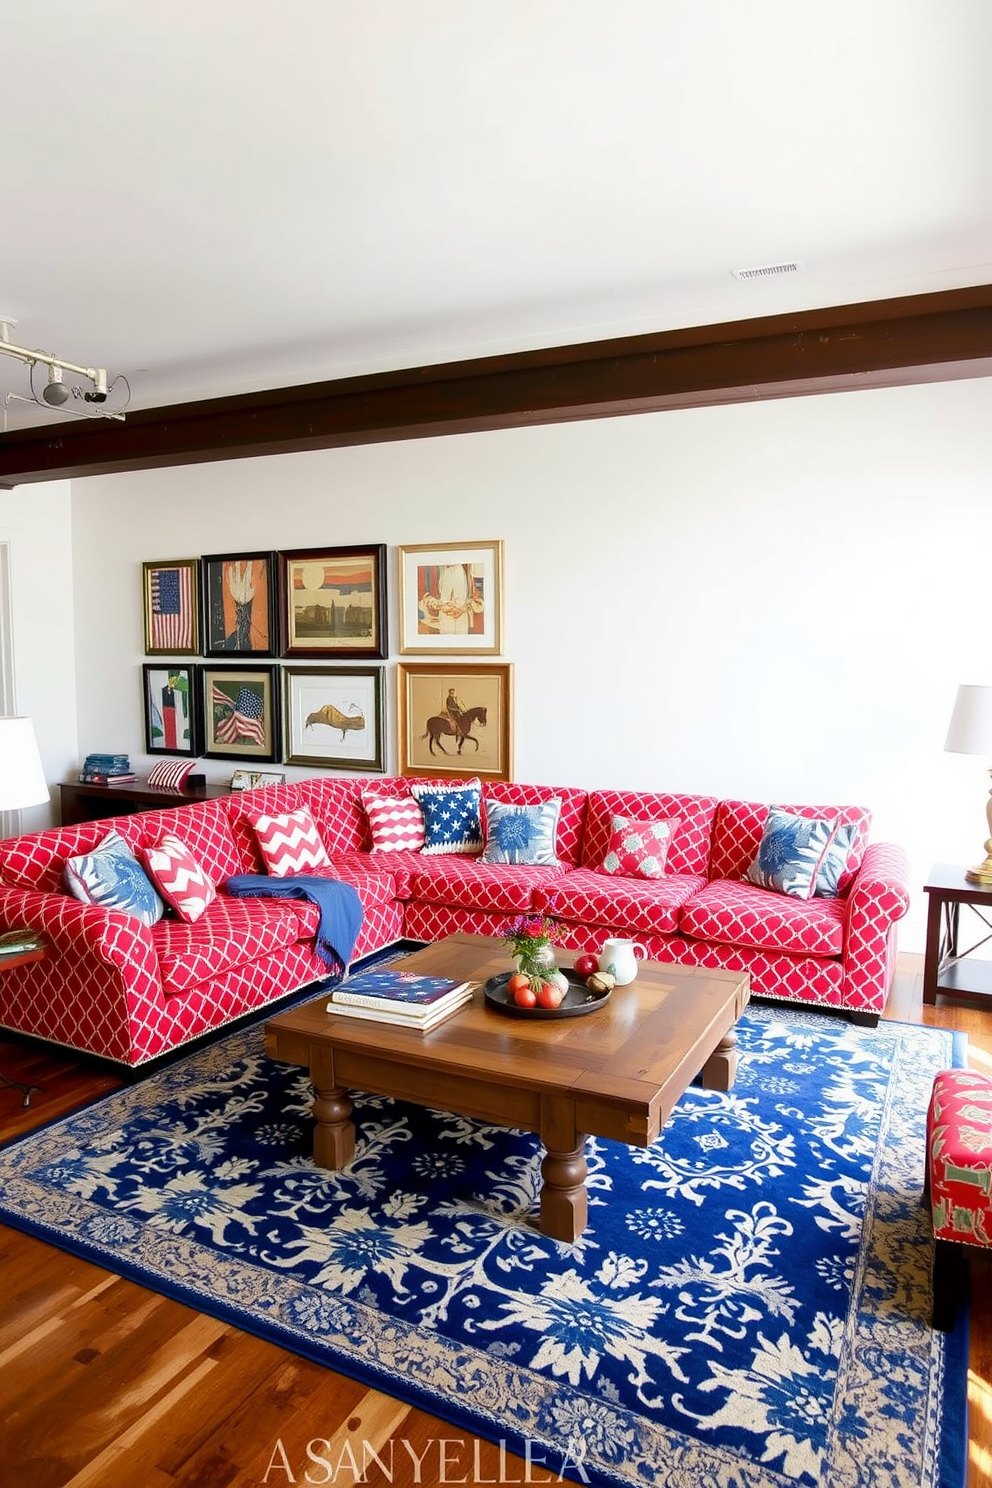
614 1073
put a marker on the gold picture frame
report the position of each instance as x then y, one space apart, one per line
455 720
451 599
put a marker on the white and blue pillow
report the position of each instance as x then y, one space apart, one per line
112 877
522 834
791 853
452 817
835 862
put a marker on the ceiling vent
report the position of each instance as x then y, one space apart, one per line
769 271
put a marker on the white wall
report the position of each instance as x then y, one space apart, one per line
769 600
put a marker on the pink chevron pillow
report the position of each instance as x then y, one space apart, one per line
178 877
396 823
290 843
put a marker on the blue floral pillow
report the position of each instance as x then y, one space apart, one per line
521 834
112 877
452 817
791 853
835 862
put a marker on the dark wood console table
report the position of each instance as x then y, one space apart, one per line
81 803
947 969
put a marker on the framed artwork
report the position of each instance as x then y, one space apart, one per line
456 719
451 599
173 719
240 604
333 602
240 712
334 717
172 607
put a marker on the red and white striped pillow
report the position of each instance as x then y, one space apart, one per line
290 843
170 774
178 877
396 823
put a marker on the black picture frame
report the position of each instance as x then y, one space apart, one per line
235 732
334 718
170 727
332 602
240 604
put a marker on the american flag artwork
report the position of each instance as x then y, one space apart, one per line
171 596
241 719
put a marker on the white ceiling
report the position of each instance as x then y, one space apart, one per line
223 196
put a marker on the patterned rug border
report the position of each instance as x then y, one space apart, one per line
874 1328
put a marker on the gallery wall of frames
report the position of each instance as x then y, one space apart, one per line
293 646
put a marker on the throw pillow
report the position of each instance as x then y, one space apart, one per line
289 843
638 849
396 823
112 877
521 834
170 774
835 862
791 853
452 817
178 877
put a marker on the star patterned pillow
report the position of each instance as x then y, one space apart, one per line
521 834
452 817
638 849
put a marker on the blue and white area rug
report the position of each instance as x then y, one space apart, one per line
747 1308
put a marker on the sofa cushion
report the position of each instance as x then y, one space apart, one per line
689 850
178 877
202 825
230 933
111 877
524 835
835 860
647 906
637 848
571 815
289 843
396 823
731 913
469 883
739 825
452 817
790 854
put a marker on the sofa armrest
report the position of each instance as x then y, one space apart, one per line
877 899
85 938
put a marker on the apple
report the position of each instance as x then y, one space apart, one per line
525 997
586 964
549 995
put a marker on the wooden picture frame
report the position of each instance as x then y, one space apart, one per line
172 708
432 695
240 604
241 713
334 717
171 592
333 602
451 599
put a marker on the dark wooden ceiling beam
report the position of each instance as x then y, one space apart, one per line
919 338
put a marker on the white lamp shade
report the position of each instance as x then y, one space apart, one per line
971 722
22 779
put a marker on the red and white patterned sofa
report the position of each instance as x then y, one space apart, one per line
117 989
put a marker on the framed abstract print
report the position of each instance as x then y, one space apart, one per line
456 719
240 604
241 712
451 599
333 602
334 717
171 708
172 607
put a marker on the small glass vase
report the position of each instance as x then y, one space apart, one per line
539 962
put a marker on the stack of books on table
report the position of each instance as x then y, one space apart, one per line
106 769
402 998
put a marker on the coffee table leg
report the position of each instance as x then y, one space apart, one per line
720 1070
564 1202
334 1134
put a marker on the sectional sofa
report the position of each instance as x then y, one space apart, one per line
116 988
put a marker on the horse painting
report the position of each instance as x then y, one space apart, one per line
334 718
441 724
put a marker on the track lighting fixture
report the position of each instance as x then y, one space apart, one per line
55 394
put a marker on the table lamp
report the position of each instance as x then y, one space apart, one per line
22 778
971 733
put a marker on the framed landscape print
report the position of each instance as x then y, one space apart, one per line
171 698
172 607
240 712
456 719
240 604
333 602
334 718
451 599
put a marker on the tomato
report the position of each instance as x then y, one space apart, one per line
525 996
516 982
549 996
586 964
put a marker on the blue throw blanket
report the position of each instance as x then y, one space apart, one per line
339 905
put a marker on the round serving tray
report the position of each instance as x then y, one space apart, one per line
578 1000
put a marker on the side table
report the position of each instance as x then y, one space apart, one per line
8 963
948 969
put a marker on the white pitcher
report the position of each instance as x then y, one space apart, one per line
619 958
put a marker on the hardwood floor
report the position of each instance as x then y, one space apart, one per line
104 1384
